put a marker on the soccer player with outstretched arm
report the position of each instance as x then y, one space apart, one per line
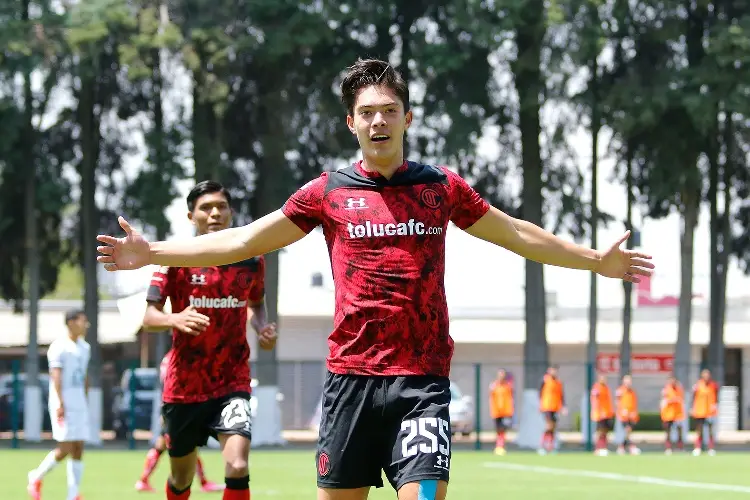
207 381
386 394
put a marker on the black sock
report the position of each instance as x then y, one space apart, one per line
237 483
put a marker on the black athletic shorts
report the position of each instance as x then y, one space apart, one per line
189 425
550 416
503 423
397 424
605 424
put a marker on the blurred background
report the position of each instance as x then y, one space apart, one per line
588 117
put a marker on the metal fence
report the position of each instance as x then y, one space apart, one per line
126 403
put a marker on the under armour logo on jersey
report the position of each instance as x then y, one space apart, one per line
442 461
355 204
198 279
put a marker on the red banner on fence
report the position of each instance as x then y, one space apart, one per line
640 364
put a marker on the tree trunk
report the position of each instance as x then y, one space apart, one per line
90 227
408 12
206 145
163 337
627 308
715 344
720 247
32 392
162 157
594 223
682 357
270 193
530 87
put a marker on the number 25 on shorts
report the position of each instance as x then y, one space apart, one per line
425 427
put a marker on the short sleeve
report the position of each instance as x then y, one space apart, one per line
467 206
258 284
305 207
161 285
54 355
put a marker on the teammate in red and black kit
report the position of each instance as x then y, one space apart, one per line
386 395
160 446
207 383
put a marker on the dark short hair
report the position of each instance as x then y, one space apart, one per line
367 72
73 314
206 187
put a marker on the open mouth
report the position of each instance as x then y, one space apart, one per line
379 138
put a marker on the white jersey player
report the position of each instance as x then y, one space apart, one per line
68 359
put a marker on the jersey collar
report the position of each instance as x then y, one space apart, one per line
376 175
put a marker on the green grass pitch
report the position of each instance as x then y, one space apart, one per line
290 475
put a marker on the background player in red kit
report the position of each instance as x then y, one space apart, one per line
207 384
386 394
160 446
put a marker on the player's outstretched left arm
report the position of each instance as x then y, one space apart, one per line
133 251
534 243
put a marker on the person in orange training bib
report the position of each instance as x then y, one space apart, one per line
602 412
672 412
551 402
627 414
501 408
705 410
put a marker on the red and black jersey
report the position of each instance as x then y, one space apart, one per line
386 240
215 362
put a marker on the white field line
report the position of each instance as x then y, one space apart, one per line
625 478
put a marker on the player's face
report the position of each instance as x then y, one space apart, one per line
706 375
501 375
79 325
211 213
627 381
552 372
602 379
379 122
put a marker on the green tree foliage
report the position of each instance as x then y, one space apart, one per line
29 45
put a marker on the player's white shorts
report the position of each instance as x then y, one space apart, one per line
74 427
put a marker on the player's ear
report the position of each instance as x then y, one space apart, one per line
408 118
190 217
350 124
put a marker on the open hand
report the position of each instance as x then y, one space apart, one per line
120 254
190 321
267 337
624 264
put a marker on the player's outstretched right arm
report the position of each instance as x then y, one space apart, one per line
265 235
